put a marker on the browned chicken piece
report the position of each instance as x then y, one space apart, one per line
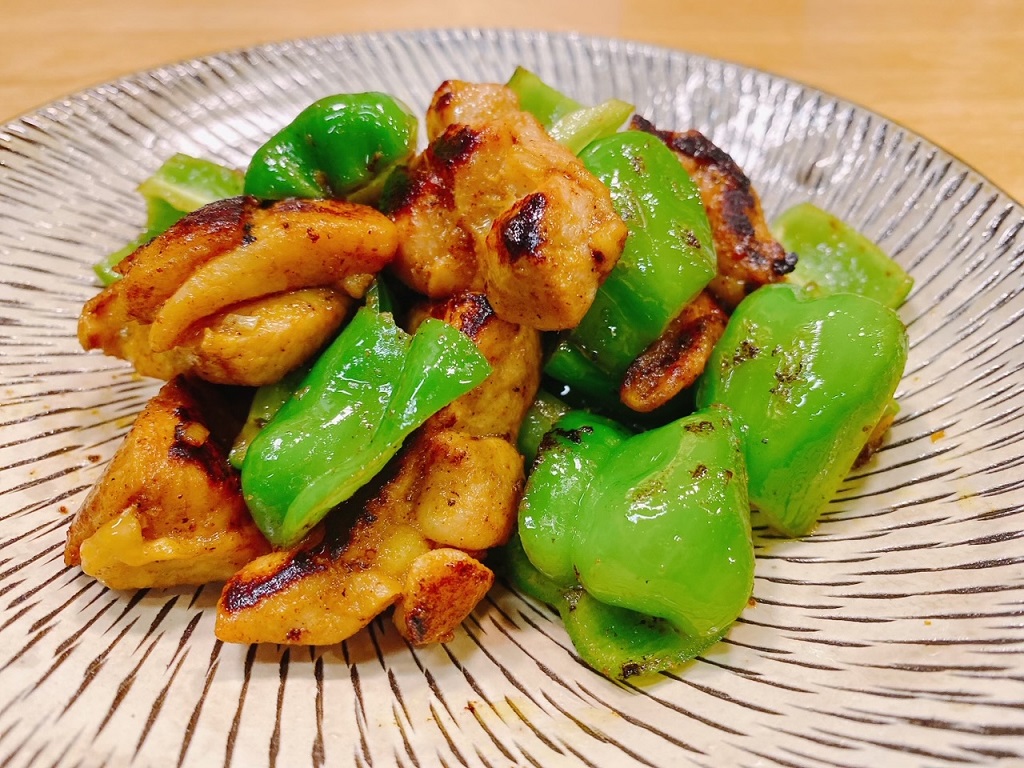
229 269
249 344
416 542
456 101
676 359
168 509
495 205
496 408
748 255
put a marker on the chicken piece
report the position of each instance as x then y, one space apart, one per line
457 101
249 344
452 493
441 588
209 268
462 499
324 594
495 205
168 509
748 255
676 359
498 406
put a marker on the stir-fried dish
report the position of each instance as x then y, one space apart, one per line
558 342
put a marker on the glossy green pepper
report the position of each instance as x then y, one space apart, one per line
568 459
668 259
833 257
642 542
617 642
539 420
566 120
541 100
333 148
807 379
182 184
666 528
266 402
268 399
369 389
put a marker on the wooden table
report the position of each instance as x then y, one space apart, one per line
950 70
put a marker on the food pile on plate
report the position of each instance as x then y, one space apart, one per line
559 342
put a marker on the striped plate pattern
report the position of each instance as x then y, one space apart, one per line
892 636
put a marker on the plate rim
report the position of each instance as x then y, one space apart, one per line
204 60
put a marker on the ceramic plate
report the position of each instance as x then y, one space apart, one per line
892 636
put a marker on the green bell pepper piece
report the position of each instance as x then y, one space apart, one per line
577 130
664 528
266 402
549 511
333 148
566 120
369 389
807 379
539 420
541 100
833 257
668 259
181 185
187 183
269 398
616 642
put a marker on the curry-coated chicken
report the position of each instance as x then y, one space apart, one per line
418 537
675 360
239 292
168 509
495 205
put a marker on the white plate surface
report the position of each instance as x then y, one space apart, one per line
892 636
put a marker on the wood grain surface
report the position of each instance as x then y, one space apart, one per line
949 70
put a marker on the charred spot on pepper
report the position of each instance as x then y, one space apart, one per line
631 669
574 436
699 428
787 375
701 470
572 596
547 443
747 350
650 488
522 235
